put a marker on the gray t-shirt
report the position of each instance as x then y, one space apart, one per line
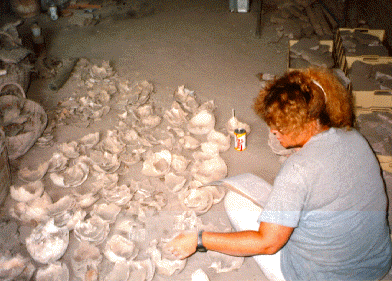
331 191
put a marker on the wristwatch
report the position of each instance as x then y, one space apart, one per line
200 247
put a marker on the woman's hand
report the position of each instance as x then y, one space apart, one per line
183 245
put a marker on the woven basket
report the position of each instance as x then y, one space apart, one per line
19 144
15 90
5 175
16 73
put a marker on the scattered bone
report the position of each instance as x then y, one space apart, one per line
86 200
188 220
27 175
55 271
208 168
307 52
119 195
130 137
140 93
219 138
77 216
72 176
46 140
47 243
179 163
199 275
89 141
173 182
119 272
27 192
198 200
142 270
108 213
218 192
71 167
119 249
94 230
57 163
85 260
201 123
157 164
62 211
211 148
368 77
158 136
164 266
70 150
224 263
176 116
103 180
233 124
151 121
32 211
149 204
111 143
104 162
189 142
146 117
15 267
186 98
130 158
178 131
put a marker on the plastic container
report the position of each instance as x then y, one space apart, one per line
5 174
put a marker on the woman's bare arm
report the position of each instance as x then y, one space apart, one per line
268 240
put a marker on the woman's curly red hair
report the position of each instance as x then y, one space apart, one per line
301 96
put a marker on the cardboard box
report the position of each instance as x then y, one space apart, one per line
292 42
368 101
339 53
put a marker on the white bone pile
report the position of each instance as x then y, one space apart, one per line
113 182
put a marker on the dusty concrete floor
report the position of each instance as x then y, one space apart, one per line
199 44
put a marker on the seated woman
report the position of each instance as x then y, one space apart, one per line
325 217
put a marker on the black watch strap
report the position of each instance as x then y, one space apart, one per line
200 247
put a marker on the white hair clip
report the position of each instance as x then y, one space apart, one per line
321 87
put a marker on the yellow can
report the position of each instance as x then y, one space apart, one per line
240 139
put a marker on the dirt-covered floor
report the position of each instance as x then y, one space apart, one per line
198 44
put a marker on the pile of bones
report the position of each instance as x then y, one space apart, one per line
114 183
